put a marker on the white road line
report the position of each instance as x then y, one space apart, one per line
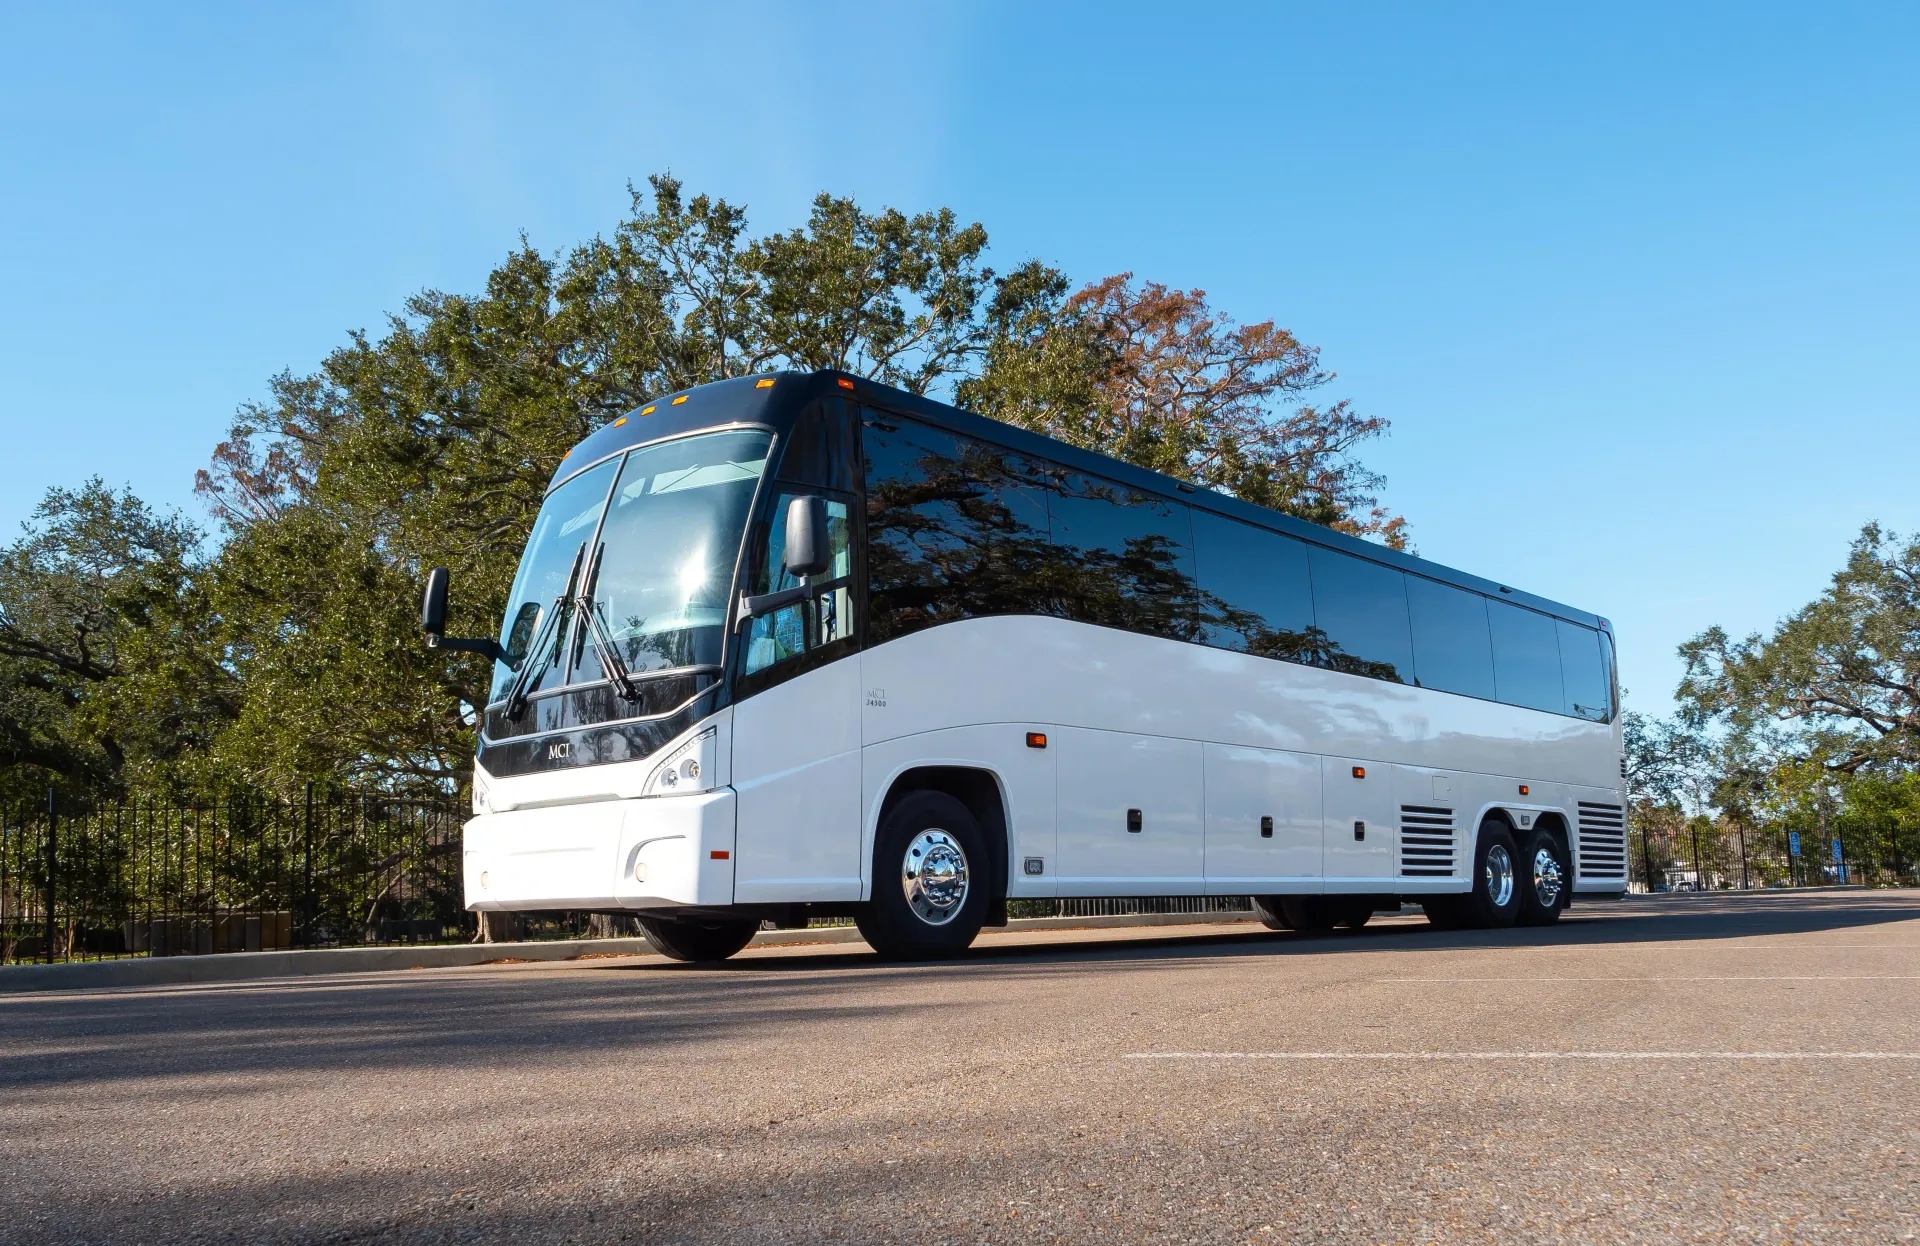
1523 1055
1808 977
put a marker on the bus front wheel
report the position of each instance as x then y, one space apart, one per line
685 939
930 880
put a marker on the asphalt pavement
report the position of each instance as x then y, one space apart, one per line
1718 1067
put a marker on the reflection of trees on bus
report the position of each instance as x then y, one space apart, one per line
964 530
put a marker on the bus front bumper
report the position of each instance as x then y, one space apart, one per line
659 852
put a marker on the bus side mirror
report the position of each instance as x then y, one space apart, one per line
433 607
807 552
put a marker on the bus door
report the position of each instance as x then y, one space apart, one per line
796 727
1359 837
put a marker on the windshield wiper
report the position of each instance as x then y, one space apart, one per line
548 638
610 660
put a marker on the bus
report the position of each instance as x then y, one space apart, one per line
802 645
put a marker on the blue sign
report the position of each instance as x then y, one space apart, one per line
1836 852
1793 843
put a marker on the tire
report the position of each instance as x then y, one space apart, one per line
1353 914
1271 915
1546 879
1308 914
1494 903
698 940
917 912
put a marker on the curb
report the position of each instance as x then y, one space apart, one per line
249 966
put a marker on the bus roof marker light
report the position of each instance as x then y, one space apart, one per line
646 411
622 420
844 383
677 401
766 383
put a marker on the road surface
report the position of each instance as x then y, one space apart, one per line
1692 1068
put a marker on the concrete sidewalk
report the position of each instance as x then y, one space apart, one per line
245 966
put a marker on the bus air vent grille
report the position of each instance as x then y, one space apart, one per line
1603 841
1426 842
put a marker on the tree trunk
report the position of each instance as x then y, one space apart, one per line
498 928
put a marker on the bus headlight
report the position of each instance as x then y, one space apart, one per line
688 768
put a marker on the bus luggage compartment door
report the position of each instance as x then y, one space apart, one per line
1129 814
1360 834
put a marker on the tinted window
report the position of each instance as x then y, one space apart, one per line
1452 649
1583 668
1255 595
828 617
956 529
1526 658
1361 606
1123 558
822 448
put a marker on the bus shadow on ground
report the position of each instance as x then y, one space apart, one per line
1661 919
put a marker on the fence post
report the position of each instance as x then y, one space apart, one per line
53 864
307 905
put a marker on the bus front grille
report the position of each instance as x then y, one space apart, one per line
1426 842
1603 841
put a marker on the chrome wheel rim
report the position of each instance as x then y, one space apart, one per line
934 876
1548 878
1499 876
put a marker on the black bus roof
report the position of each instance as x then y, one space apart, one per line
775 398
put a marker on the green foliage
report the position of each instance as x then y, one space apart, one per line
109 668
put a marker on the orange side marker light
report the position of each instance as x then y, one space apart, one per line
719 854
1524 789
1036 739
1359 772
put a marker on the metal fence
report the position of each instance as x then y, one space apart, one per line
148 878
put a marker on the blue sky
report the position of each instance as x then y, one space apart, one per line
1637 288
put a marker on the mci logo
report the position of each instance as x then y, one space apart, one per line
558 751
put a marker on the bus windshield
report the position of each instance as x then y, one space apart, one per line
669 531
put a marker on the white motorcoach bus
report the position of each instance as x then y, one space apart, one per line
802 645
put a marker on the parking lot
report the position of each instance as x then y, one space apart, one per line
1703 1067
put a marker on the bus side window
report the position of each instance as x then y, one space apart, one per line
788 633
1583 668
1526 658
1362 608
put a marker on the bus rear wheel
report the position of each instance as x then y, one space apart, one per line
1268 909
1494 902
930 880
1545 878
688 939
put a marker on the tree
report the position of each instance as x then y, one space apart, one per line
1155 376
109 668
1842 674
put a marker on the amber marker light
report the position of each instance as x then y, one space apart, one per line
1359 772
646 411
766 384
844 383
677 401
622 420
719 854
1524 789
1036 739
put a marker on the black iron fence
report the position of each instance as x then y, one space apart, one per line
148 878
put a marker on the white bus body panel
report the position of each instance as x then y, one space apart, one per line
1204 742
796 766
